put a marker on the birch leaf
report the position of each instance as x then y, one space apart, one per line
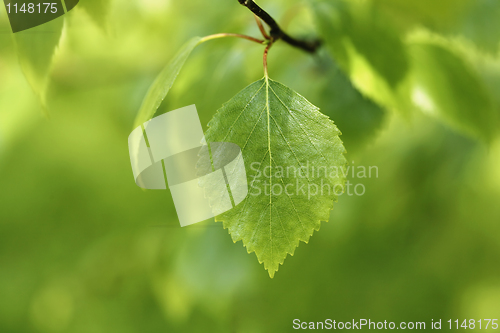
294 161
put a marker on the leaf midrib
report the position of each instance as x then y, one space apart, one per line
270 164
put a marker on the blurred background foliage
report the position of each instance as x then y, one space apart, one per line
413 85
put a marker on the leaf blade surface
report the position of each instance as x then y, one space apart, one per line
284 140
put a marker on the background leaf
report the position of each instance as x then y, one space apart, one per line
411 68
280 134
445 85
160 87
35 49
365 46
98 10
358 116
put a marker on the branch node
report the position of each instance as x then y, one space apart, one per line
276 32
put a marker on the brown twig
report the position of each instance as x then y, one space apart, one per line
261 27
264 58
228 34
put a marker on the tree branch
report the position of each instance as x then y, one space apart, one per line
276 32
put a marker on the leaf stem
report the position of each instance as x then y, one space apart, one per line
266 51
276 32
228 34
261 27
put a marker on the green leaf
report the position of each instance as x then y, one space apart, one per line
446 86
365 45
35 49
98 10
358 116
161 86
287 144
489 71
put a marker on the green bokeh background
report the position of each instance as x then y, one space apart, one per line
83 249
